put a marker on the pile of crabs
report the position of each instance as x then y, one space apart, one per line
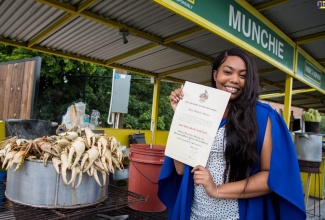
78 150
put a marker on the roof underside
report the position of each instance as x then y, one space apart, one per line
160 43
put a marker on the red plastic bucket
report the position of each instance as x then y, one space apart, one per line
144 170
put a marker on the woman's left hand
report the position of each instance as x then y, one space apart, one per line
203 176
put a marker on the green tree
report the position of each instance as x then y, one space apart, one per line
64 82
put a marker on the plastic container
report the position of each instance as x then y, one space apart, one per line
144 170
94 119
86 118
81 109
121 178
3 177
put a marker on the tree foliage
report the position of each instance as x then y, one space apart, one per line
64 82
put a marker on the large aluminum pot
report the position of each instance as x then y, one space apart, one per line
39 186
309 146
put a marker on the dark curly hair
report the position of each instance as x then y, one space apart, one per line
241 127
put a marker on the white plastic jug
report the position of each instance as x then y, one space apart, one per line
81 109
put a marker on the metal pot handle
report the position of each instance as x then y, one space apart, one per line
304 135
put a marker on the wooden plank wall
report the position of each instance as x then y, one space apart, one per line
17 90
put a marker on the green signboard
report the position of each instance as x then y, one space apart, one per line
241 24
309 72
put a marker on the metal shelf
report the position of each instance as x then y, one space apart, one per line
117 198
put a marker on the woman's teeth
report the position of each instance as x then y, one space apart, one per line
232 89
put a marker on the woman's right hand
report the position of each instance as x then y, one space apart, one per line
175 97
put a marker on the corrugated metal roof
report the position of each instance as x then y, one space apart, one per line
160 42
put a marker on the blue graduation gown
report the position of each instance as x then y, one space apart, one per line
286 200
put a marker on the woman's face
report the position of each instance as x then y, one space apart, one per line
230 76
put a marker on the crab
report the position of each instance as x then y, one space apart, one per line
62 143
117 164
113 144
102 145
18 159
8 142
42 145
77 148
99 165
70 135
90 156
64 166
56 163
75 171
119 154
106 160
9 156
46 156
103 176
90 137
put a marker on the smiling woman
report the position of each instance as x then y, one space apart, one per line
252 171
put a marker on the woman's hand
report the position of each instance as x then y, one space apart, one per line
203 176
175 97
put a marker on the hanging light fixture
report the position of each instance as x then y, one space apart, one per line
124 32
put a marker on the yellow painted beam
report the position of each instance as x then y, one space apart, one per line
278 91
287 99
310 38
133 70
273 95
59 5
270 4
172 79
154 114
85 5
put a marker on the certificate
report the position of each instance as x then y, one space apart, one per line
195 123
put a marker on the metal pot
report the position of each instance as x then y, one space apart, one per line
309 146
39 186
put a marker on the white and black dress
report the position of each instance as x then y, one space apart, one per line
204 207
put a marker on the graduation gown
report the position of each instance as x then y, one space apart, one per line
286 200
